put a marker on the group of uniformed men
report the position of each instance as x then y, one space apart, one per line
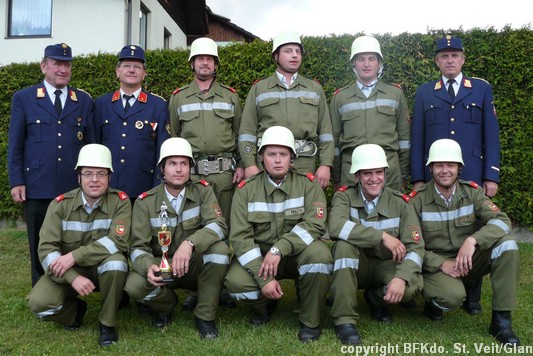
279 151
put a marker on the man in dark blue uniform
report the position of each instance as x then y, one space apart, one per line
462 109
50 123
132 123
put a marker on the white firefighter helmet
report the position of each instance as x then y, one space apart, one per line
204 46
445 150
280 136
365 44
368 156
286 38
94 155
175 146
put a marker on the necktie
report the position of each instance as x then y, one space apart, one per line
57 102
450 88
127 97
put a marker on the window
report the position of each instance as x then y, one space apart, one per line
166 39
30 18
143 26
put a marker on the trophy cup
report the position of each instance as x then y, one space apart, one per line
165 238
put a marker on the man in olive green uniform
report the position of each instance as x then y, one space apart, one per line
370 111
82 248
467 236
289 99
277 219
378 245
208 114
178 227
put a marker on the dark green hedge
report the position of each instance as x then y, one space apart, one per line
501 57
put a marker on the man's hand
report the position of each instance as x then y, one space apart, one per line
18 193
83 285
323 174
395 246
448 268
181 259
272 290
251 171
418 184
62 264
463 261
238 175
269 267
395 291
490 187
154 277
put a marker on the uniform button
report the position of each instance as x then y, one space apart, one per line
125 123
59 147
453 132
59 159
106 121
452 119
38 121
123 135
122 148
59 134
59 122
453 107
122 161
481 157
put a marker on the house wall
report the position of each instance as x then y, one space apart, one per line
220 33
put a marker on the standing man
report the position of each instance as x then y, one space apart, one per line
459 108
466 236
184 218
370 111
84 240
277 219
289 99
50 122
132 123
378 244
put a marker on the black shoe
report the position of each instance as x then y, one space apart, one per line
307 334
348 334
472 308
124 302
162 320
206 328
108 335
431 311
501 328
226 301
378 312
259 319
78 321
411 304
189 303
143 309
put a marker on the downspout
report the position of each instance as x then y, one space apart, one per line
128 21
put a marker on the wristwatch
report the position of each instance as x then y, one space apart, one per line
275 251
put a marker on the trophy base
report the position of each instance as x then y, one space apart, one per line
167 276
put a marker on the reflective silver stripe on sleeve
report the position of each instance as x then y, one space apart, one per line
346 229
325 138
337 151
448 215
216 259
205 107
303 234
113 266
412 256
152 294
341 263
382 224
49 259
249 256
276 207
509 245
354 213
214 227
189 214
315 268
246 296
156 223
287 94
136 253
369 104
108 244
404 145
86 226
247 138
500 224
44 314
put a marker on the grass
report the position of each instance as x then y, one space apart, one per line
22 334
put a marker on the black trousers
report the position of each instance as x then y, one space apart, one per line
34 212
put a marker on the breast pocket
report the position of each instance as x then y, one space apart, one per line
309 112
352 125
187 122
262 222
39 129
432 113
475 109
108 127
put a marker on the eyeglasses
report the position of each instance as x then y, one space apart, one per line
129 66
90 175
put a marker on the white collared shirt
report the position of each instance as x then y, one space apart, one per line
50 89
448 201
369 205
284 80
366 89
176 201
86 206
132 100
456 84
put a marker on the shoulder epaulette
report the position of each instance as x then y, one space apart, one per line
341 89
470 183
343 188
229 88
317 81
142 195
83 91
258 80
412 193
474 184
159 96
122 195
310 176
406 197
204 182
177 90
59 198
397 85
480 79
241 184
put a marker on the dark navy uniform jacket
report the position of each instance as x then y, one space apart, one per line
470 120
134 139
43 146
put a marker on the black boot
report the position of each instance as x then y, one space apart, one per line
473 296
501 328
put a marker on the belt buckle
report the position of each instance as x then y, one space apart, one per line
206 166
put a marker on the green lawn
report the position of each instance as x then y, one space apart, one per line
459 333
